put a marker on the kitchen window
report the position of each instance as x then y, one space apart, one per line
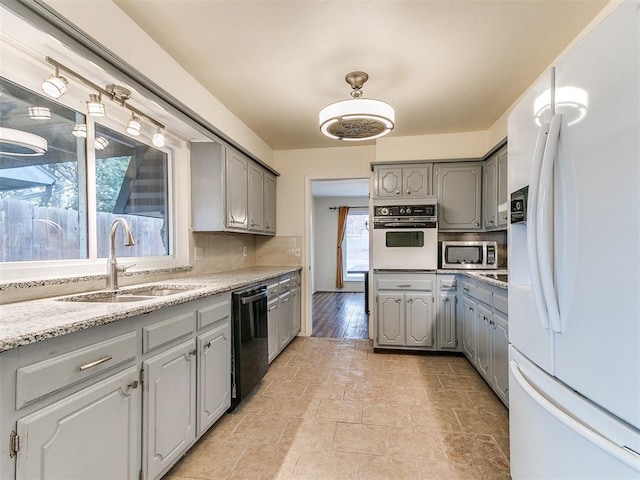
356 243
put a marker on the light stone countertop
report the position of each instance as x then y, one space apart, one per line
23 323
481 275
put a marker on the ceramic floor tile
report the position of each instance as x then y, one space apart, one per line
409 395
263 462
476 450
374 467
503 443
348 376
285 389
434 418
415 443
209 461
331 390
450 399
390 414
483 422
224 427
308 435
467 383
357 438
340 410
325 466
495 474
366 392
443 470
258 430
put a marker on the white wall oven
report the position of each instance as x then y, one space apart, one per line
405 236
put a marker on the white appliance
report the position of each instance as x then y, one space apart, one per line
469 255
405 236
574 261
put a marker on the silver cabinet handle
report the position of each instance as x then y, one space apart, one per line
192 353
397 300
409 300
95 363
465 289
404 286
207 345
446 300
133 385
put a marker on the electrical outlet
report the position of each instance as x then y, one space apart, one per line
244 251
198 253
297 253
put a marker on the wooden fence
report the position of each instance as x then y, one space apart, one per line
30 233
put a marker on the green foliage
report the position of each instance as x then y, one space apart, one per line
110 173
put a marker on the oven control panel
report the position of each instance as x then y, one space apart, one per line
405 211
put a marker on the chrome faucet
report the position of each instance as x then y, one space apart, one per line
112 264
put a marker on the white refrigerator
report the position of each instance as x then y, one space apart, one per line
574 263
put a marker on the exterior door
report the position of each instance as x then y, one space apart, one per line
419 319
214 375
391 323
94 433
169 405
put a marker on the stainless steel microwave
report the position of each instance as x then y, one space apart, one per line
478 255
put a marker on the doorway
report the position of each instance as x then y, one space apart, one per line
339 312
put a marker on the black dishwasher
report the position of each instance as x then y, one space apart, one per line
250 353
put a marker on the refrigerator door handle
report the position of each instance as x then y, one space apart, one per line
532 227
544 214
621 453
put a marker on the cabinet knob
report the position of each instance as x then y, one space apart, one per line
192 353
476 224
408 192
207 345
409 300
133 385
491 221
397 192
397 300
252 223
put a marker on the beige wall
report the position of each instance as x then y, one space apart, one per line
432 147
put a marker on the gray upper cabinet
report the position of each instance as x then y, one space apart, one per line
494 191
230 192
459 190
403 181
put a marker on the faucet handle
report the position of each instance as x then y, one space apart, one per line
125 268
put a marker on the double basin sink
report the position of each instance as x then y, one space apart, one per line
131 295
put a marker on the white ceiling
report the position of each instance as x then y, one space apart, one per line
445 66
340 188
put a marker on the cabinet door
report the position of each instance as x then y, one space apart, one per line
94 433
500 363
270 203
237 194
256 198
272 330
169 406
284 320
503 194
214 375
388 182
447 331
490 193
296 312
416 181
391 325
469 328
483 357
459 196
420 319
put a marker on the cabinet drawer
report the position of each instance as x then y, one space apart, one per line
469 288
213 313
285 285
484 295
40 379
166 331
272 291
447 284
500 303
295 280
424 284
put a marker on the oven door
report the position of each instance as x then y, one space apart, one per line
405 248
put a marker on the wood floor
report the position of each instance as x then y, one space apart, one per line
339 315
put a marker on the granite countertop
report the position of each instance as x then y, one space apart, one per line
487 276
23 323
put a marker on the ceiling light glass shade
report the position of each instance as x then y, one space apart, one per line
101 143
357 119
80 130
134 126
54 85
158 139
39 113
21 144
95 107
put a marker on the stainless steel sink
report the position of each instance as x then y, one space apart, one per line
131 295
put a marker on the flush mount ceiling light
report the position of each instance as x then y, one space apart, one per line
55 85
101 143
21 144
358 118
39 113
79 130
158 139
95 107
134 126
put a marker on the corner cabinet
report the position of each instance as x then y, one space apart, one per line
459 191
403 181
494 191
230 192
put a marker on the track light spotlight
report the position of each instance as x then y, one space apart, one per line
95 107
134 126
158 139
55 85
101 143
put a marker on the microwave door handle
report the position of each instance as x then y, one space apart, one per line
532 244
405 225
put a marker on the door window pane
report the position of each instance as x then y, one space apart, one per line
42 199
356 244
132 182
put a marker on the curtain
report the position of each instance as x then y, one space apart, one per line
343 212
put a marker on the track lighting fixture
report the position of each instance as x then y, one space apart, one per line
79 130
158 139
134 126
55 85
101 143
95 107
39 113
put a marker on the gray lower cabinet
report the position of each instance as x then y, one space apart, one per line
284 320
469 308
169 406
420 320
391 322
284 312
500 359
447 314
484 321
93 433
296 311
459 191
272 329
